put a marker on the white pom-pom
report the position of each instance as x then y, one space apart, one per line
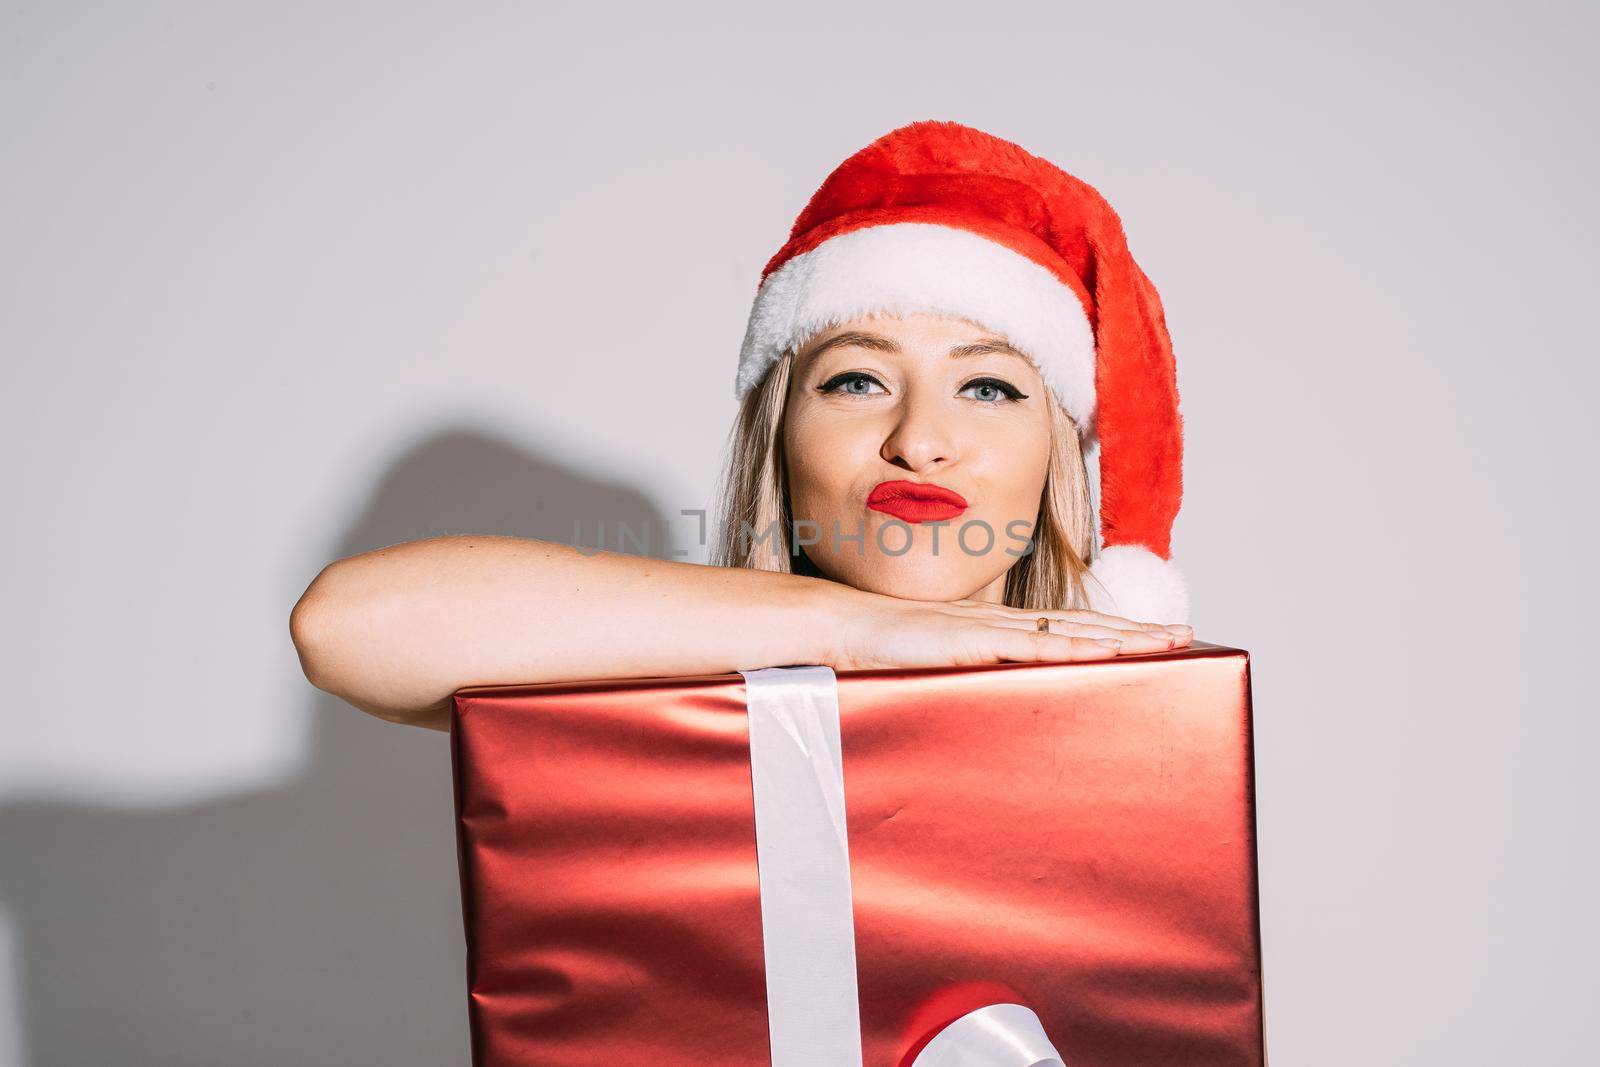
1133 582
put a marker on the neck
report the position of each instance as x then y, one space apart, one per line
993 593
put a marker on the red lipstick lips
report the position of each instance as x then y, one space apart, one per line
916 501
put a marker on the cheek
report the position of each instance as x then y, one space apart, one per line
1015 462
822 456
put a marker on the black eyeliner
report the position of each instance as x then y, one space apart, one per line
844 376
1007 388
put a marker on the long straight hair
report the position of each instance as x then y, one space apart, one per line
754 499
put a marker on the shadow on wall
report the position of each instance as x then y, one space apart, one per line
316 923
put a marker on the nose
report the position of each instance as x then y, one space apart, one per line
921 438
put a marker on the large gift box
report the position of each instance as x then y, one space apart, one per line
1013 864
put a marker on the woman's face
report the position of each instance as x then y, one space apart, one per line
940 403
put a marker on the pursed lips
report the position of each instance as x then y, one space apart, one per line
916 501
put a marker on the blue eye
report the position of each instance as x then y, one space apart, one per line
855 383
860 383
993 390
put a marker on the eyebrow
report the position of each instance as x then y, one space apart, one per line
879 343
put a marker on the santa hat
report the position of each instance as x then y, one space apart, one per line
941 218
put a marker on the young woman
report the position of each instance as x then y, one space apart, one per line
952 327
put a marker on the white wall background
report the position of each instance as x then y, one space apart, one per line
282 283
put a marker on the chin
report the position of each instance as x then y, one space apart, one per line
927 578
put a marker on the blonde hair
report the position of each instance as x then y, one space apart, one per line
754 498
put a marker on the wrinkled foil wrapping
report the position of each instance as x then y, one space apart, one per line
1075 837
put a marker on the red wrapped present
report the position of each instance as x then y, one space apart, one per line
1014 864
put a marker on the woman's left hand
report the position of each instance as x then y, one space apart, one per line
1081 622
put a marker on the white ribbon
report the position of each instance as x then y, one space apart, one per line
807 925
1000 1035
803 861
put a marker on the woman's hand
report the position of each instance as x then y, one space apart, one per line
891 632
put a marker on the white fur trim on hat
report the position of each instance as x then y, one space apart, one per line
908 267
1133 582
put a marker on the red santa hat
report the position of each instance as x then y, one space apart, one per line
941 218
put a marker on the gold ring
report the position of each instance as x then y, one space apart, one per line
1043 625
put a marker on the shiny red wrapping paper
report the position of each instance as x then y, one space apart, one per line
1075 837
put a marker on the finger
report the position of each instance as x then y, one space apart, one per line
1145 640
1095 618
1025 646
1077 615
1183 632
1116 621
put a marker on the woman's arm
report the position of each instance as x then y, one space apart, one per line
396 631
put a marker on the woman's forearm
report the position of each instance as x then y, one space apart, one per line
397 630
